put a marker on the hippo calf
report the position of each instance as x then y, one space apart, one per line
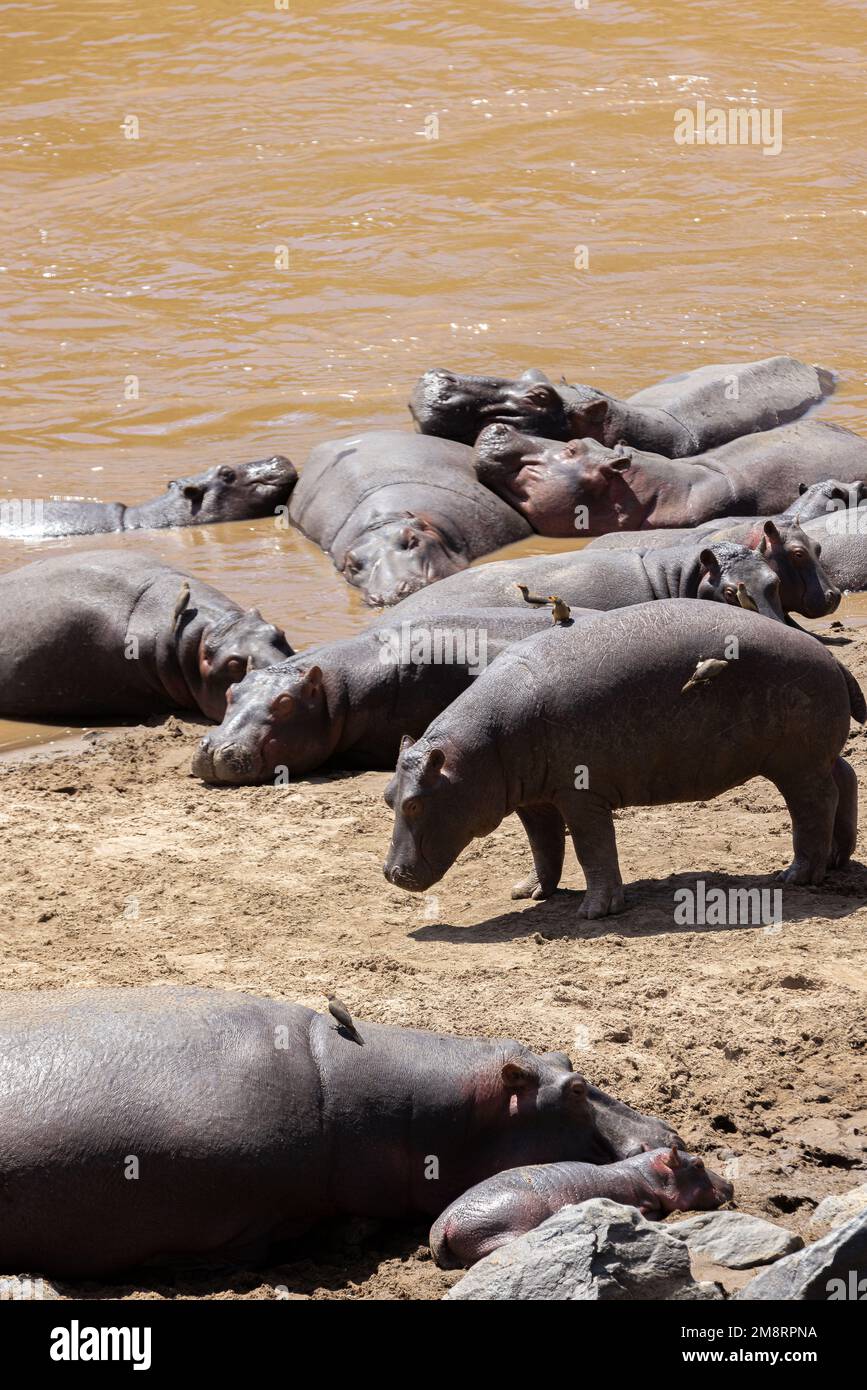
678 417
574 723
107 633
396 511
512 1203
223 493
177 1125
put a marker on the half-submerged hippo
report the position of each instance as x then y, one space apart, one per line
512 1203
583 488
347 703
175 1125
395 511
574 723
614 579
239 492
112 634
678 417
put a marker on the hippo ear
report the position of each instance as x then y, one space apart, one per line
802 488
406 742
311 682
771 538
710 562
595 412
194 492
618 464
433 766
517 1077
673 1159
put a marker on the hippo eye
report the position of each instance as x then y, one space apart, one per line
352 564
235 667
798 556
411 806
699 1165
228 475
730 591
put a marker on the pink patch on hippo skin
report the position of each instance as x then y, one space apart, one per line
513 1103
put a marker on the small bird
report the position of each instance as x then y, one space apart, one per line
560 611
705 672
339 1011
533 599
745 598
181 602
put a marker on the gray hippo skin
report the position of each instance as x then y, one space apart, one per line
249 1120
681 416
519 1200
396 511
348 703
587 489
112 634
610 579
223 493
603 704
842 536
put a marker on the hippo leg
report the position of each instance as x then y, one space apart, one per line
846 819
591 826
546 832
812 801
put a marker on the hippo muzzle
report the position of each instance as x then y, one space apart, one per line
232 763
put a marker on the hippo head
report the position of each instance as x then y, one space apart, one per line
237 492
458 407
397 555
818 499
562 489
680 1181
228 648
434 817
734 574
276 718
794 557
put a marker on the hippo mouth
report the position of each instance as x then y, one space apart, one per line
230 764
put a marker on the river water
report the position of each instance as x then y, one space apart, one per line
234 229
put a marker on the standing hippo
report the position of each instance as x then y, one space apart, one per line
396 511
512 1203
223 493
107 634
347 703
587 489
611 579
176 1125
681 416
574 723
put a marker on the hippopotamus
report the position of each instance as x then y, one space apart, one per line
626 709
106 634
611 579
680 416
223 493
583 488
512 1203
395 511
347 703
842 537
178 1125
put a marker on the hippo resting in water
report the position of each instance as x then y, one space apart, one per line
347 703
625 709
176 1125
223 493
396 511
110 634
681 416
519 1200
785 577
586 489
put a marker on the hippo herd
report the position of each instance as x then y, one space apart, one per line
659 663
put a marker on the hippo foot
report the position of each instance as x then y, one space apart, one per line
602 902
532 888
801 872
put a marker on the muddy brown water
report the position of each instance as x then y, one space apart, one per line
234 229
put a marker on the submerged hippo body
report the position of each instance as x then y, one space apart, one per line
679 417
223 493
115 634
512 1203
396 511
584 488
250 1120
607 697
348 703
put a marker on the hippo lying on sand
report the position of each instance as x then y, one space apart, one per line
396 511
224 493
175 1125
572 724
681 416
614 579
112 633
347 703
519 1200
586 489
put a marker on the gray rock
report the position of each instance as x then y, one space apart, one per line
833 1211
834 1267
597 1250
26 1287
734 1239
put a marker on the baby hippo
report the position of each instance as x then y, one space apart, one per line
516 1201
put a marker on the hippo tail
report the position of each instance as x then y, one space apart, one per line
857 704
